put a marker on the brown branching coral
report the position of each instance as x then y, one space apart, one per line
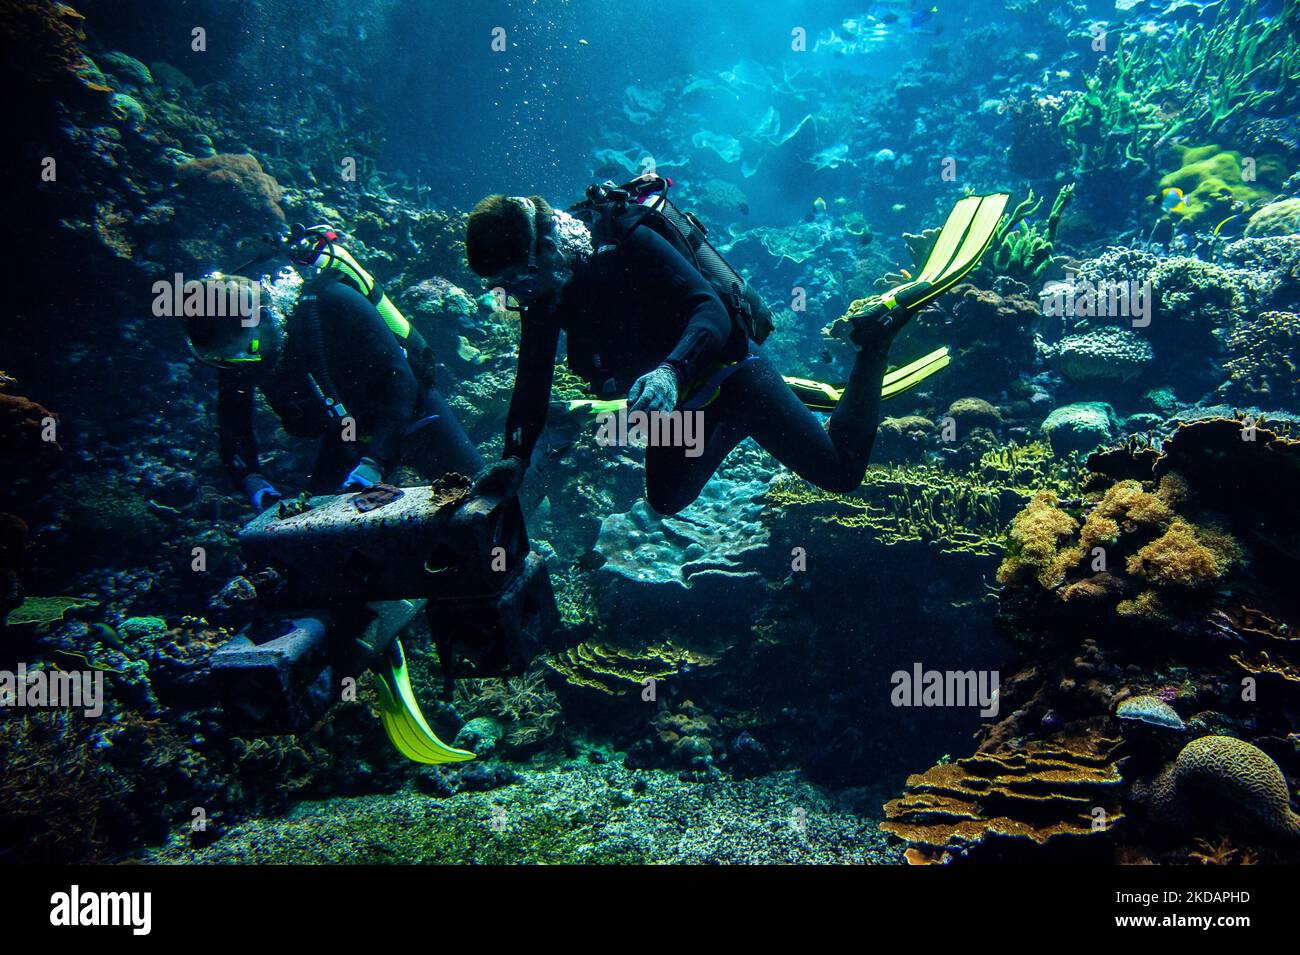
1221 852
529 710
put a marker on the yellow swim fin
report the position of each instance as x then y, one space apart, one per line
400 714
909 376
962 242
819 396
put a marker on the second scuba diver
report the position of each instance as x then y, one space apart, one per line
334 364
641 319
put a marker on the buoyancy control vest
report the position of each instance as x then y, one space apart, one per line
612 212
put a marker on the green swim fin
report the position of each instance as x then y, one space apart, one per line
962 242
819 396
400 714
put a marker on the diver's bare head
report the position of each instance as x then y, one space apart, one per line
524 246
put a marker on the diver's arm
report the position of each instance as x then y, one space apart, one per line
708 325
531 398
358 333
235 425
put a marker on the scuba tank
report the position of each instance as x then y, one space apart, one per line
613 212
319 247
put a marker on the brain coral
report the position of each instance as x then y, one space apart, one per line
1232 770
1276 218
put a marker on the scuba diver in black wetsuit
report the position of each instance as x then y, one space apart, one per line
641 319
335 360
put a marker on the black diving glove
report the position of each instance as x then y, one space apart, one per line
260 493
500 479
654 391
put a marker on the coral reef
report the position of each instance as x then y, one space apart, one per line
1261 359
1138 608
976 808
226 180
1103 354
618 671
952 511
1240 776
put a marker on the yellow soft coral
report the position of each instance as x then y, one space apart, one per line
1145 605
1185 556
1037 534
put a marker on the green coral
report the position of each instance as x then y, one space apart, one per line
143 630
1240 62
1023 250
1215 185
954 510
44 612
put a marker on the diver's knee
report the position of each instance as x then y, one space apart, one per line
844 483
667 501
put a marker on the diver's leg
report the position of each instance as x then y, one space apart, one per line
853 423
756 402
438 445
757 399
673 479
334 460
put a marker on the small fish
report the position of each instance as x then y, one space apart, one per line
583 43
1171 200
819 204
1230 226
922 17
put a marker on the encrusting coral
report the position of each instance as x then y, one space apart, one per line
236 178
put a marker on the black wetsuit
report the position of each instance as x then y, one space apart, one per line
386 393
629 308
